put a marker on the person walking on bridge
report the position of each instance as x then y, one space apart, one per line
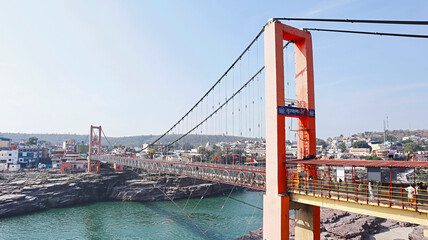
371 191
410 193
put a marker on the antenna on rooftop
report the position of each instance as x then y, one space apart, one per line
384 132
385 129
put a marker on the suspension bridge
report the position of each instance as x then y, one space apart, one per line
252 99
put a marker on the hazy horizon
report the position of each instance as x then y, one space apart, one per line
137 66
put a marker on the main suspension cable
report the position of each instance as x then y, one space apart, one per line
102 130
211 89
368 33
354 21
221 106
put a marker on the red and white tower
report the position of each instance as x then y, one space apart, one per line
276 200
94 146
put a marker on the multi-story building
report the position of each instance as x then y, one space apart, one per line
70 145
291 149
411 138
5 143
29 156
398 148
9 156
376 146
384 153
421 156
359 151
9 160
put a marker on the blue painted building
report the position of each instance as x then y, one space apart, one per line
29 156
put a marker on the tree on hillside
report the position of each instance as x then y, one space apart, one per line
361 144
406 141
187 146
373 158
412 147
321 142
391 138
32 140
342 147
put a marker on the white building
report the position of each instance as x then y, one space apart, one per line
5 143
14 167
7 159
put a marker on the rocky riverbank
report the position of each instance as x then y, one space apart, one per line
337 224
35 190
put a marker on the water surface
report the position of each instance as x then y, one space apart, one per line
133 220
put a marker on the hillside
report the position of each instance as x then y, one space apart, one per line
394 135
132 141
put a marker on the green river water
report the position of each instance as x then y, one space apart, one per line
133 220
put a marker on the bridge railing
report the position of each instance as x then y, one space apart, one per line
246 176
395 195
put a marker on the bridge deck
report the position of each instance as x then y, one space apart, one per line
382 201
245 176
388 201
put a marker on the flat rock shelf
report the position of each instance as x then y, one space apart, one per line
35 190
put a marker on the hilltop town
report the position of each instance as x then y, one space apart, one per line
396 145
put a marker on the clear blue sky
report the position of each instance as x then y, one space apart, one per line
134 67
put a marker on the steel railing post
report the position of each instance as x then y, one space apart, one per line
416 198
346 184
402 203
329 180
367 193
338 190
378 201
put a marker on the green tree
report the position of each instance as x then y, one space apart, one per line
321 142
412 147
377 138
373 158
33 140
406 141
391 138
342 147
361 144
187 146
83 148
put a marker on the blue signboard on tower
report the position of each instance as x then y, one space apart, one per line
292 111
295 111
